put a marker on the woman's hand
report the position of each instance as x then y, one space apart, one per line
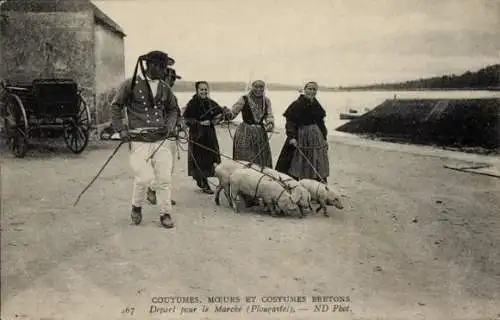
293 142
228 114
269 127
205 122
218 118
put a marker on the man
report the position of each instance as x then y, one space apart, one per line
150 105
170 77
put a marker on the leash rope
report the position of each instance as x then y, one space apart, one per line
310 163
180 140
278 199
230 158
257 186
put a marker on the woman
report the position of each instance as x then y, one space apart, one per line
200 114
306 137
250 139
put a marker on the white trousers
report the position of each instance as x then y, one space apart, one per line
155 173
173 151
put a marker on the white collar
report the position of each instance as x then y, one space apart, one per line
148 78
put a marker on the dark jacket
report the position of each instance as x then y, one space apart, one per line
164 113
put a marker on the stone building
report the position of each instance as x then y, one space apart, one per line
62 39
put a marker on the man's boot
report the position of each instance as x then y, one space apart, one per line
166 221
136 215
151 196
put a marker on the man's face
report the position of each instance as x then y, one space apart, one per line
155 70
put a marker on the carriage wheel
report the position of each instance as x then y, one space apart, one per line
16 125
77 131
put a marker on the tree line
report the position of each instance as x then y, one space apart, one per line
487 78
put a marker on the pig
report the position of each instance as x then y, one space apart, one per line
323 194
253 183
223 172
294 187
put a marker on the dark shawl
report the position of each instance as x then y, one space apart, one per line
202 109
304 111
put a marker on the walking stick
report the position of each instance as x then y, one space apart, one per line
100 171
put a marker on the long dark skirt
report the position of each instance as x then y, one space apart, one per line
312 151
200 158
251 144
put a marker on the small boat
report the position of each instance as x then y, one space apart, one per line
348 116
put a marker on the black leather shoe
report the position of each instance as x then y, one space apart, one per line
136 215
199 183
166 221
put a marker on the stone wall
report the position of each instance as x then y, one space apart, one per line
62 39
109 67
49 45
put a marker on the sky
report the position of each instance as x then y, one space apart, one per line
334 42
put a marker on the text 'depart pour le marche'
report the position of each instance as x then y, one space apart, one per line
183 305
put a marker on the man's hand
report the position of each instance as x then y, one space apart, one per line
293 142
205 122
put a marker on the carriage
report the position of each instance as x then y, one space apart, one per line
44 109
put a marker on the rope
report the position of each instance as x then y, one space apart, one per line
310 163
179 141
225 156
257 186
278 199
176 138
186 140
196 164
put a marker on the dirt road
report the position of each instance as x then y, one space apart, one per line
415 241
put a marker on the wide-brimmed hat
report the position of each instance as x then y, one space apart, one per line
160 57
172 73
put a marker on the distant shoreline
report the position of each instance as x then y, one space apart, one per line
486 79
347 90
419 89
